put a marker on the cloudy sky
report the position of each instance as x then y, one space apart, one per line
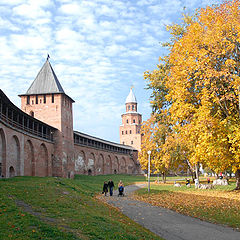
98 49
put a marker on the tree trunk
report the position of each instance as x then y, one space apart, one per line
192 176
237 175
197 176
163 177
191 169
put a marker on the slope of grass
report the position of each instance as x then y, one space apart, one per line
55 208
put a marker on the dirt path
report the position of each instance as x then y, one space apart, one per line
166 223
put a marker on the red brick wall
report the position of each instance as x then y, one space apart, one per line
26 154
32 156
129 131
29 161
105 162
59 115
20 156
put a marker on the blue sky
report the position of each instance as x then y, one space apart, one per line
98 49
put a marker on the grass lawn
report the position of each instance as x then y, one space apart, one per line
218 205
56 208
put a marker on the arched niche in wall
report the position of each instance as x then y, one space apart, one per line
2 154
115 165
108 165
42 162
12 172
99 167
122 165
91 164
130 166
14 154
29 163
80 162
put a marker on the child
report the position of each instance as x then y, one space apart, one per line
120 188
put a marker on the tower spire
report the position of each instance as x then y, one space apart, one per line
131 97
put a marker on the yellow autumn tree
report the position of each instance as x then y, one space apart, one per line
201 86
152 141
158 135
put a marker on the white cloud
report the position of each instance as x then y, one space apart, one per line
98 49
114 50
71 9
145 2
5 24
105 10
12 2
32 10
30 42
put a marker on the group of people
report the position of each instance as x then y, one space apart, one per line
110 185
196 181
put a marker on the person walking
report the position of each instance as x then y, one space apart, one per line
111 186
105 188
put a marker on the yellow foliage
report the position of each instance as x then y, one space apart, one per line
203 204
196 93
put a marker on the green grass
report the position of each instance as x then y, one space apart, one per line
170 182
58 208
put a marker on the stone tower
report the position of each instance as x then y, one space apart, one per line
46 100
131 123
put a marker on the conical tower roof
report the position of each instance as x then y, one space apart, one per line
45 82
131 97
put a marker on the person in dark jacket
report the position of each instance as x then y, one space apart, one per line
111 186
105 188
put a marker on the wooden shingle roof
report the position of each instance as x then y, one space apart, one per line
45 82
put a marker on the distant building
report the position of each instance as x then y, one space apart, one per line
131 123
39 140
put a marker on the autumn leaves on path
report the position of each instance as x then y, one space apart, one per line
167 223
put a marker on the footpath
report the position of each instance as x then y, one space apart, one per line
167 223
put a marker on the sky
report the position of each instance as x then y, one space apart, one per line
98 50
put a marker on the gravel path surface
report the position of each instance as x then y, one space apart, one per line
166 223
